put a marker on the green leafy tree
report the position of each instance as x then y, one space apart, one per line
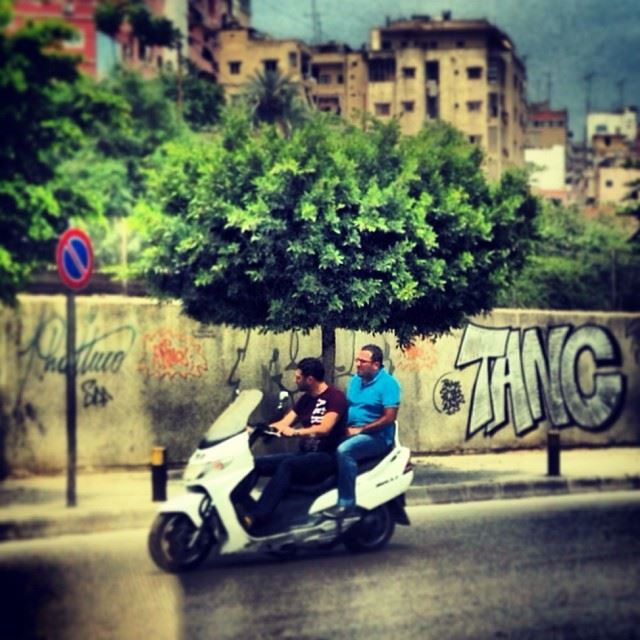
202 99
47 110
333 227
577 263
275 99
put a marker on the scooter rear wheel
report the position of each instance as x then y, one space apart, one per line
176 544
372 532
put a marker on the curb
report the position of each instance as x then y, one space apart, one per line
475 491
13 529
47 527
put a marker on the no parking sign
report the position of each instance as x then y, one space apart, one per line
74 257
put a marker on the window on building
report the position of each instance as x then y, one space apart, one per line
475 139
382 70
340 79
234 67
474 73
382 108
474 105
494 105
293 59
432 70
601 128
460 44
608 183
386 45
270 65
324 78
408 72
408 106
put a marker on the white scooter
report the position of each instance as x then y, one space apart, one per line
220 477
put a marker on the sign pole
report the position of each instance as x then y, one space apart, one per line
71 399
74 258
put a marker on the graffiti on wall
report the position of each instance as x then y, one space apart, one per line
93 394
170 354
571 378
97 352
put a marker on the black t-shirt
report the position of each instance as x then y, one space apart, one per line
310 411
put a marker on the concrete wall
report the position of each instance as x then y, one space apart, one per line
149 376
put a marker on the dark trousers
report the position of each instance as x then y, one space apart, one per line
286 469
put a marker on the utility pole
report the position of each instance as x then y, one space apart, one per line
316 28
588 79
620 85
549 85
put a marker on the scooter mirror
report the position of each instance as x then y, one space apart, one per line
283 398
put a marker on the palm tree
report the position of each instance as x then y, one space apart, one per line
275 99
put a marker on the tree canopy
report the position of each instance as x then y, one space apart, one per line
46 109
577 262
333 227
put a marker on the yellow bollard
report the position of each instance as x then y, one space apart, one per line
159 474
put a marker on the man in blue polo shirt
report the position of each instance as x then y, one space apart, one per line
374 399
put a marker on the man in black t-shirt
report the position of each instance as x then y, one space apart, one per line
318 419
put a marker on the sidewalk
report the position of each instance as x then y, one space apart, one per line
35 506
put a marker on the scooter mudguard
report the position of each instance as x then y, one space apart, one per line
188 503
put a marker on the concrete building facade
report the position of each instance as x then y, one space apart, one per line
549 171
613 183
241 53
465 72
546 127
624 122
77 13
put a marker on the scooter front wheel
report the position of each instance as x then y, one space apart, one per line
372 532
176 544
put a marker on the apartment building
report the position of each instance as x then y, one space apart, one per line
546 127
242 52
623 122
206 18
339 80
465 72
77 13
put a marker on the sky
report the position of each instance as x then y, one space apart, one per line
560 40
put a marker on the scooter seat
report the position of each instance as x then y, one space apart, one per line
331 481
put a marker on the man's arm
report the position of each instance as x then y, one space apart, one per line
389 415
329 420
285 422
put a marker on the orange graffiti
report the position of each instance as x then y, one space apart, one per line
168 353
419 358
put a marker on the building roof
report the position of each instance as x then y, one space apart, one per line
548 114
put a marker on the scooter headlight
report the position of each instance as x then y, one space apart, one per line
199 470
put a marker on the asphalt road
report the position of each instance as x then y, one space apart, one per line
566 567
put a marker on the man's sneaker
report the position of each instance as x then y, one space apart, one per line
341 511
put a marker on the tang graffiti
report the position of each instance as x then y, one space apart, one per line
571 378
170 354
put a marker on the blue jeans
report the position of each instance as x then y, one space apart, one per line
358 447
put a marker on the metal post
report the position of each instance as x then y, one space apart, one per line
553 453
71 399
159 474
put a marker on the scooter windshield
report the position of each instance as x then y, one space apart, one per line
234 418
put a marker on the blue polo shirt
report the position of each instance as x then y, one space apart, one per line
367 401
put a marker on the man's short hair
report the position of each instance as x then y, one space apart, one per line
312 367
375 351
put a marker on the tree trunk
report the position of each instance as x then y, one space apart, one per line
328 334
